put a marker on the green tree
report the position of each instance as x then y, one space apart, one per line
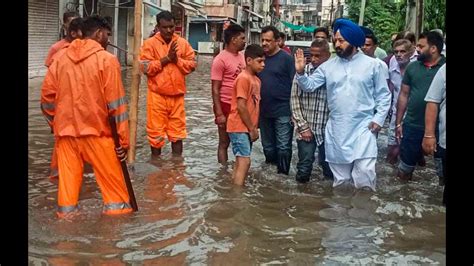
434 15
386 17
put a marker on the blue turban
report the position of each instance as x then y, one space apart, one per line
350 31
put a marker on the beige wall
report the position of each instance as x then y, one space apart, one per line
228 10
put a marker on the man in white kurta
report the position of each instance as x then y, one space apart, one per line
356 88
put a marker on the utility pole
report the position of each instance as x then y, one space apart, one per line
135 86
116 17
81 8
419 17
414 17
330 14
410 20
361 14
338 11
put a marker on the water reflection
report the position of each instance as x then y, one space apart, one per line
191 213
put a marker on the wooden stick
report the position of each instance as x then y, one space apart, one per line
123 164
135 86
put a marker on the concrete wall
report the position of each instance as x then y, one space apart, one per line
228 10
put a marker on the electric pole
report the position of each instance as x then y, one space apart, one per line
361 13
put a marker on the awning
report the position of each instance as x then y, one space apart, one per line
298 27
187 7
253 13
190 10
195 5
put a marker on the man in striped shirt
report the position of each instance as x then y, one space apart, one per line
310 114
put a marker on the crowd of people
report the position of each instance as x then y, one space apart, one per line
335 105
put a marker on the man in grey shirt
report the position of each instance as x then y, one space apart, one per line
436 96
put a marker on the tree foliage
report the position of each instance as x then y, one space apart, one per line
386 17
434 14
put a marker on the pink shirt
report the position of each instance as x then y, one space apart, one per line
226 66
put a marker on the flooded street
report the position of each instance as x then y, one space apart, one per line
190 213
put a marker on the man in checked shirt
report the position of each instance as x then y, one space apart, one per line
310 114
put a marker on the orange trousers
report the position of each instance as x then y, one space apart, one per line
54 164
100 153
165 118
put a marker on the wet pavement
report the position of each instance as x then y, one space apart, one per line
191 213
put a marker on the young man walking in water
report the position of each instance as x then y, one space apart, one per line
242 125
225 68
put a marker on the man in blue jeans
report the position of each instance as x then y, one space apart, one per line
415 84
310 113
276 129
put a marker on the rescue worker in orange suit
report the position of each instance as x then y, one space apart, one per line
68 17
166 58
73 32
82 88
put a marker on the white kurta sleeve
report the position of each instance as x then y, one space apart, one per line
312 82
382 95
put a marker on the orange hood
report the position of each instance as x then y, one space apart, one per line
160 38
81 49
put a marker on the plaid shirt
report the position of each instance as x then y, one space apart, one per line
310 110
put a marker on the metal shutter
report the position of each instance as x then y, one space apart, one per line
43 31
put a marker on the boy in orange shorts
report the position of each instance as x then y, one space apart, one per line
242 123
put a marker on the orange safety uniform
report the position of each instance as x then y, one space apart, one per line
166 88
53 54
81 89
63 43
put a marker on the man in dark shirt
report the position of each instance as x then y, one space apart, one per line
410 123
276 129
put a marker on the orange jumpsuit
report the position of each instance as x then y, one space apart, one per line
54 49
81 89
166 88
55 52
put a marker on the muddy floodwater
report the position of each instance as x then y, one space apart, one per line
191 213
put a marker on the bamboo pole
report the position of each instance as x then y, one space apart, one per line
137 42
419 18
361 13
116 18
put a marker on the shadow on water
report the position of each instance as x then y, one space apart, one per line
191 213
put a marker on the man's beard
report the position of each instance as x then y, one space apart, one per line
344 53
403 61
422 57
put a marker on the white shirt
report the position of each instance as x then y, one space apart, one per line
355 89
